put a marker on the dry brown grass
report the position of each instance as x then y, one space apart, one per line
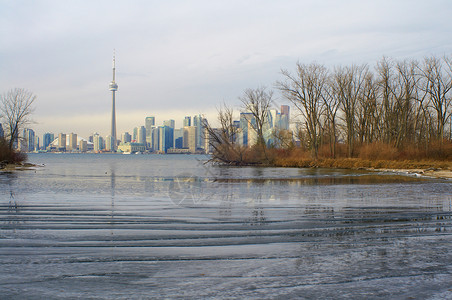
371 156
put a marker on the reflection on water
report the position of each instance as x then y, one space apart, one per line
130 226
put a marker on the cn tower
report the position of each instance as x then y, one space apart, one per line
113 89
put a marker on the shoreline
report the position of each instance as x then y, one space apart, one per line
432 172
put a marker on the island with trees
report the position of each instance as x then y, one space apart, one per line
395 115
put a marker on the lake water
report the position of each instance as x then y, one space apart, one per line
171 226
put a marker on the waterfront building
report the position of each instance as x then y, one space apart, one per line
109 143
113 88
190 138
83 146
126 137
62 142
131 147
166 138
47 139
98 142
155 139
141 135
72 142
179 138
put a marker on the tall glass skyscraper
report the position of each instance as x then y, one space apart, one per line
29 136
47 138
166 138
149 123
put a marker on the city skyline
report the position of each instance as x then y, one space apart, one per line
187 58
156 138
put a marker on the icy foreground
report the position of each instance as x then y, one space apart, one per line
171 227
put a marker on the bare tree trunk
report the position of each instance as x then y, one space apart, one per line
257 102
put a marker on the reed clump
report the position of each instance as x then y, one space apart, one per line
10 156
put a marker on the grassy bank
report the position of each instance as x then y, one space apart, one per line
358 163
371 156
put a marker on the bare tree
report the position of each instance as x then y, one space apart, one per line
438 86
305 91
348 84
257 102
368 111
16 109
223 140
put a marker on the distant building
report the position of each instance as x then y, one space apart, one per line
155 139
29 140
149 123
109 143
126 137
72 142
245 124
198 123
83 146
135 135
98 142
190 138
179 138
187 121
169 123
141 135
131 147
285 110
166 138
47 139
62 142
285 117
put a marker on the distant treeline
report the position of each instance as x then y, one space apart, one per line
401 104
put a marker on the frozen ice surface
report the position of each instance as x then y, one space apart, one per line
134 227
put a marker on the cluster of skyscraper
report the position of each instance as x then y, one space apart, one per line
192 137
166 138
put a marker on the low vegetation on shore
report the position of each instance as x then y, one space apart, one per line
370 156
10 156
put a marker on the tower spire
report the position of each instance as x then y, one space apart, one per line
113 89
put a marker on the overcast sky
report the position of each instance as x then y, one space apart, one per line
176 58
